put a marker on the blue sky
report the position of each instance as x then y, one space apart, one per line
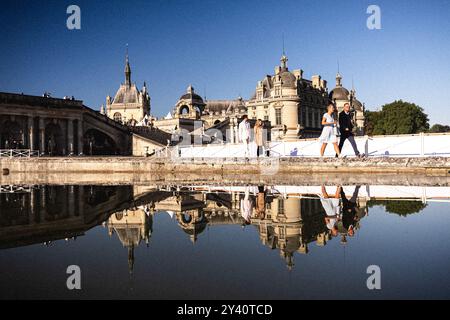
223 48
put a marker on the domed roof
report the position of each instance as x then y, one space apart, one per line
357 105
217 106
127 94
339 93
191 95
288 80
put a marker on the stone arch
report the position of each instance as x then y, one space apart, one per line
12 135
96 142
217 122
184 110
117 117
55 202
118 216
54 140
186 218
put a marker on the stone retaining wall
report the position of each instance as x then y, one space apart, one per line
129 170
269 165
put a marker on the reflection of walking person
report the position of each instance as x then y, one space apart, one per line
246 207
328 132
331 205
261 203
346 129
244 134
259 137
349 217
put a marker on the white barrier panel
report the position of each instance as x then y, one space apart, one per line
417 145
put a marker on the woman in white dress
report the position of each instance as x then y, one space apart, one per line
332 207
328 132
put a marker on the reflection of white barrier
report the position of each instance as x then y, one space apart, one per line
415 145
18 153
377 191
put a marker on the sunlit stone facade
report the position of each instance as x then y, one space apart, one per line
130 105
293 104
340 96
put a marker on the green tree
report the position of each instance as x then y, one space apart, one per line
372 117
402 208
398 117
436 128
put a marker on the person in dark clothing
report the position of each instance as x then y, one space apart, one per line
346 129
349 217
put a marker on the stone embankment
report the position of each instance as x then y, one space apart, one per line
132 170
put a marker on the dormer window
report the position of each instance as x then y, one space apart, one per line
277 91
260 95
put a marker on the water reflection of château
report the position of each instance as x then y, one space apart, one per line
48 213
290 223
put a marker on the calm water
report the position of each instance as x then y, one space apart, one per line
229 242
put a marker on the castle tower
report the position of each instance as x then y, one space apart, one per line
129 105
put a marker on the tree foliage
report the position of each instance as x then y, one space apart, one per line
402 208
398 117
436 128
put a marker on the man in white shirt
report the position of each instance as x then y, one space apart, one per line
244 134
246 207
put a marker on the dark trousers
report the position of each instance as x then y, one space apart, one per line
259 151
350 138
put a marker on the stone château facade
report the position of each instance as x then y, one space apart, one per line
340 96
130 105
293 105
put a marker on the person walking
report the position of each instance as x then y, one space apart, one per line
244 133
259 141
346 130
246 207
328 132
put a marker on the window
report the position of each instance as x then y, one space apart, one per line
277 91
266 117
117 117
278 117
280 206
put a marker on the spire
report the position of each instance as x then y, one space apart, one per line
284 61
131 259
284 58
338 80
127 70
338 76
353 91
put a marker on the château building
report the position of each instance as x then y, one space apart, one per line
293 105
130 105
290 105
340 96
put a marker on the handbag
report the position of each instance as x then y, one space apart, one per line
336 131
